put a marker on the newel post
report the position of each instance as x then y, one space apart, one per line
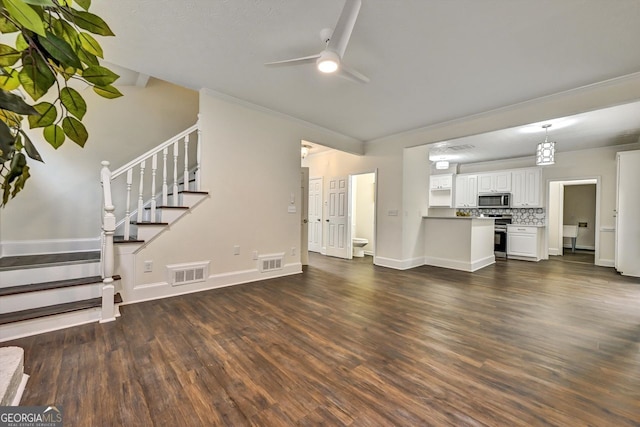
108 230
198 152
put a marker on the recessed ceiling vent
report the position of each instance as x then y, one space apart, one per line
461 147
184 274
268 263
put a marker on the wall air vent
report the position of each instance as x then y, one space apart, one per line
270 262
184 274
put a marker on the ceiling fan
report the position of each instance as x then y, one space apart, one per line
330 59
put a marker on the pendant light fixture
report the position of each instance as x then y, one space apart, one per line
546 151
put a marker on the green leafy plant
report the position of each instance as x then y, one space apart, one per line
54 44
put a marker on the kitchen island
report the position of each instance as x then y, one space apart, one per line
459 243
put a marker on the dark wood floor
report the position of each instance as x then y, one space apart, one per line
347 343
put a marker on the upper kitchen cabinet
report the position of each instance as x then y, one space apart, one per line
526 188
441 182
466 191
494 182
441 190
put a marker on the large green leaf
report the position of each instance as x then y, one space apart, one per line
8 55
18 185
75 130
9 79
66 31
25 15
6 142
30 148
13 120
90 22
108 91
99 75
60 50
54 135
90 44
73 102
85 4
48 3
88 58
12 102
47 115
21 43
35 76
7 26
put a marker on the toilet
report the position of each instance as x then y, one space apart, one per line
358 246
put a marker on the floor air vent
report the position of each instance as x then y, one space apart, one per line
271 262
183 274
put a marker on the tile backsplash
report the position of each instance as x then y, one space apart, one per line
524 216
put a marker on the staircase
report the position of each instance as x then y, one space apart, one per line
41 293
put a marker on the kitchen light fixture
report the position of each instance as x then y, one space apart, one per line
546 151
442 164
304 150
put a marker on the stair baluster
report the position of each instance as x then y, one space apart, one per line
165 189
154 168
185 178
198 157
141 192
127 213
175 174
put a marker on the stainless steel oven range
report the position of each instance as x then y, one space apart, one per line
500 234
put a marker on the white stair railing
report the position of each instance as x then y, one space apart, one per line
116 191
142 173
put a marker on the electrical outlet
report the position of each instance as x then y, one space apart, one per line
255 255
148 266
236 250
293 251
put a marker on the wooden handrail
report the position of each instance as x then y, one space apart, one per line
157 149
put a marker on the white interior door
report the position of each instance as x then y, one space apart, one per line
337 218
304 213
315 214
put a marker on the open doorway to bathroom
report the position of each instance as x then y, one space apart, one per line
362 214
574 224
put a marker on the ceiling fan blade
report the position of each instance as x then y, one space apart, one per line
344 27
353 75
296 61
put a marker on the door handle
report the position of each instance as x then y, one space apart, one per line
319 220
304 221
327 220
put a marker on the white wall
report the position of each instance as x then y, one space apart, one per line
250 167
580 206
60 205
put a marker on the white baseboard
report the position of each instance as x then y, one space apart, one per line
12 331
158 290
555 251
583 247
605 262
370 253
50 246
23 384
398 264
460 265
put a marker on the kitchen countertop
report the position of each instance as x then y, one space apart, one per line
457 217
527 225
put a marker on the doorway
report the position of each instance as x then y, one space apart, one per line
362 214
574 223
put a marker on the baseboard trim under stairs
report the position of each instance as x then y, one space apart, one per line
12 377
29 306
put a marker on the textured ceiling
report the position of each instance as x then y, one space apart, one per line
429 60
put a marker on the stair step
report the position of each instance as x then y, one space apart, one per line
149 223
169 207
120 239
35 313
46 260
45 286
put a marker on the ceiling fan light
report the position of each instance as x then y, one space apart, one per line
328 62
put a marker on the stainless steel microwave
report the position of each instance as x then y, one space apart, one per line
494 200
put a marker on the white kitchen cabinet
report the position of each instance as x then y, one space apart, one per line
441 191
494 182
524 242
441 182
526 188
627 240
466 191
